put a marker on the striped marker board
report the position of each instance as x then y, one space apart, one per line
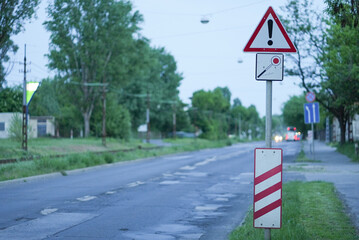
267 199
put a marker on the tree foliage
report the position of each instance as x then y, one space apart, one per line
326 61
118 120
11 99
293 114
90 41
13 15
212 113
156 85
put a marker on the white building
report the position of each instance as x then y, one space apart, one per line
38 126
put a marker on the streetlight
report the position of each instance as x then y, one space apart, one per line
204 20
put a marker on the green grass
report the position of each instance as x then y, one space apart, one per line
47 164
311 211
59 146
348 149
301 157
304 168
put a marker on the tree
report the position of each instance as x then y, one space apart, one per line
53 98
341 59
163 87
210 112
237 102
247 120
345 12
326 60
156 83
293 114
90 44
255 124
45 101
13 14
11 99
118 120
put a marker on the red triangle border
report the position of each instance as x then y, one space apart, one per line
292 48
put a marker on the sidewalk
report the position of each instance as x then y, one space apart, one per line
338 169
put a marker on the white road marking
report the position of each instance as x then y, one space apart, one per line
192 174
135 184
208 160
167 175
48 211
179 157
169 182
246 183
221 199
188 168
86 198
208 207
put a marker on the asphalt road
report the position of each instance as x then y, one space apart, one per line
195 195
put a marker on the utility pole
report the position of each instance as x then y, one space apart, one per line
174 120
148 118
239 127
104 112
24 108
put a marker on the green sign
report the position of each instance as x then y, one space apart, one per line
31 88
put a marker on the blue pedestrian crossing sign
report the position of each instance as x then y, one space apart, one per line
311 113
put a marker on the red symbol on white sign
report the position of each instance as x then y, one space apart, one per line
269 66
310 97
267 200
270 36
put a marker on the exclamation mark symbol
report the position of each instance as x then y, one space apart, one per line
270 31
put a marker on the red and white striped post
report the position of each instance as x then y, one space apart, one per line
267 199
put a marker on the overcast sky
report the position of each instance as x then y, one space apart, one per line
207 54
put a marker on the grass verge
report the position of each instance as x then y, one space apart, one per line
304 168
348 149
311 210
87 159
301 157
58 146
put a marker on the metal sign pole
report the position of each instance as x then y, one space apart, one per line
269 67
267 231
313 140
268 114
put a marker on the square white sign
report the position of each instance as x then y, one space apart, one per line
269 66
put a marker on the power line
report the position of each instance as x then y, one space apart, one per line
200 14
200 32
234 8
40 68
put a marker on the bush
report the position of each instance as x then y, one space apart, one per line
109 158
15 130
118 120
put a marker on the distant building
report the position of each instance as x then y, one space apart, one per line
352 129
42 126
5 122
38 126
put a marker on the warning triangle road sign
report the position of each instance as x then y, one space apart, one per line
270 36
